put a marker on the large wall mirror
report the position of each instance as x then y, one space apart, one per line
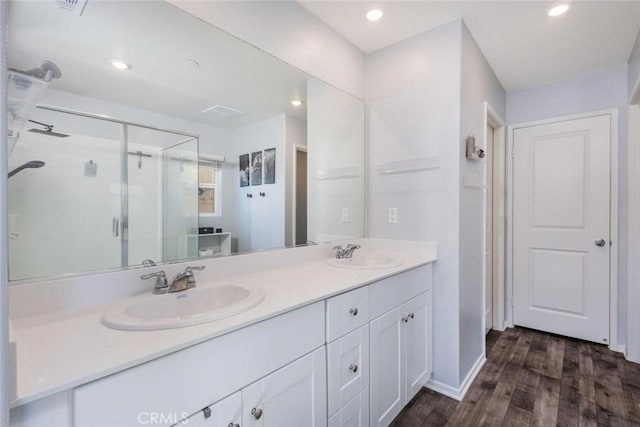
141 134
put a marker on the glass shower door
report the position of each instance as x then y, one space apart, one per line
180 201
64 216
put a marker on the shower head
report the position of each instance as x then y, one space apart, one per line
47 71
33 164
48 130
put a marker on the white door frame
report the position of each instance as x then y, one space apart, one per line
633 243
294 168
613 215
493 119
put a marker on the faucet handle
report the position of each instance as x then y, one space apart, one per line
161 281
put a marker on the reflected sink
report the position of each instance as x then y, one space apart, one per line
365 261
186 308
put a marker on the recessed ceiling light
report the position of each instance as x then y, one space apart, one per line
374 14
296 102
120 65
558 9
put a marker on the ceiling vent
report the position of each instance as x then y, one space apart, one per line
75 6
223 112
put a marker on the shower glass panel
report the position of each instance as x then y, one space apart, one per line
180 200
64 217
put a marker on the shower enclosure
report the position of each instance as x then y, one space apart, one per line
107 193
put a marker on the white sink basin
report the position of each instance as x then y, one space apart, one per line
363 261
187 308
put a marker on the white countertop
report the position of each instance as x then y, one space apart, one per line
61 350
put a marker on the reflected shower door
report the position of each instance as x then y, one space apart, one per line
180 201
64 217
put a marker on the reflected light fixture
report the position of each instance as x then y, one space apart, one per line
296 102
558 9
120 65
374 15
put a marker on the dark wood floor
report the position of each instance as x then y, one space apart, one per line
536 379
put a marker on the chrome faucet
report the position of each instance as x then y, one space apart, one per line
185 280
345 252
182 281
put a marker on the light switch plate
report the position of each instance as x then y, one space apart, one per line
345 215
393 215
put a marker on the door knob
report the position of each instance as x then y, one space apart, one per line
257 413
353 311
353 368
599 243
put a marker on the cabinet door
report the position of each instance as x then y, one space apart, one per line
348 367
388 381
354 413
417 351
295 395
226 413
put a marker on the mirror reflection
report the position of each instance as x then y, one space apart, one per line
144 145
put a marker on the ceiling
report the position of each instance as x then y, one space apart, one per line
524 46
157 39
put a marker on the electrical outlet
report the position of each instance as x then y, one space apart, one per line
345 215
393 215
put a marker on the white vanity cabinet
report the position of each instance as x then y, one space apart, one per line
400 357
387 359
186 381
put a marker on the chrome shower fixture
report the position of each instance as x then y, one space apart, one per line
48 130
33 164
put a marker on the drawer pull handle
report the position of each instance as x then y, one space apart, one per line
411 315
353 368
257 413
353 311
233 425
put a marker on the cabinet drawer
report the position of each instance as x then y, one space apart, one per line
393 291
348 367
347 312
353 414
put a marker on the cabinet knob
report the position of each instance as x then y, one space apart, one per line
233 425
353 368
353 311
257 413
411 315
405 319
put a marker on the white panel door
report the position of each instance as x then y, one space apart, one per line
388 380
295 395
561 227
417 352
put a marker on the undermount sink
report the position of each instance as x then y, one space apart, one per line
364 261
186 308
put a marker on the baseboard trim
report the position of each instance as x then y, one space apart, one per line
458 393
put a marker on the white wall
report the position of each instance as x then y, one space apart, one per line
290 32
336 141
295 134
589 92
634 66
479 85
260 221
413 100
